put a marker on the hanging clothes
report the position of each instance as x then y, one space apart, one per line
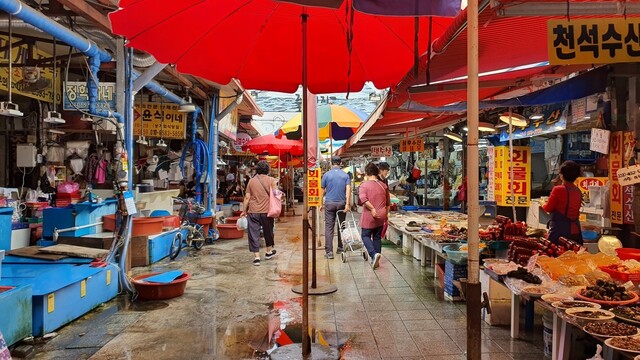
101 171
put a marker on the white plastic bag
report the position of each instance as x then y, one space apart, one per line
597 356
242 223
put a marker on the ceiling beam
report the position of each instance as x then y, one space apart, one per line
544 8
88 12
205 85
182 80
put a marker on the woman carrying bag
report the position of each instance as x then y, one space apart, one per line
258 207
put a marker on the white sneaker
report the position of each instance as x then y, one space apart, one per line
376 261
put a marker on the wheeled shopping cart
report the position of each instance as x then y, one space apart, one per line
351 240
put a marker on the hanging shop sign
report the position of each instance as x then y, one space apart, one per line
599 141
241 139
30 81
228 125
314 180
381 151
412 145
159 120
521 163
582 109
491 169
550 119
621 197
593 41
76 96
629 175
583 184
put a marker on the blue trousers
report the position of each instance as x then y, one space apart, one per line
372 239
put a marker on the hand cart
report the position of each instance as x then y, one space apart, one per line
350 234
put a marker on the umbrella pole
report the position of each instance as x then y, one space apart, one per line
306 341
472 292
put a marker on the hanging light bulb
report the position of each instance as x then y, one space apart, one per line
453 136
515 119
485 126
7 108
161 144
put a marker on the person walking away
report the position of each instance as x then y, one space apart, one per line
256 206
564 205
336 187
384 177
374 199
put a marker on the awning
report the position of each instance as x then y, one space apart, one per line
581 86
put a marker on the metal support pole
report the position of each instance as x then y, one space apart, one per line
306 341
472 292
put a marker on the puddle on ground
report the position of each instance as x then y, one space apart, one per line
257 336
125 304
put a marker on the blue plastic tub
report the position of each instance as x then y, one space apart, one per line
409 208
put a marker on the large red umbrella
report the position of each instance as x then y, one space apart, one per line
271 145
259 42
272 45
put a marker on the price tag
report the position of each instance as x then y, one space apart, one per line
599 141
629 175
531 264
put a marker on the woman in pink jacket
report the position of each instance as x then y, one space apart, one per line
374 199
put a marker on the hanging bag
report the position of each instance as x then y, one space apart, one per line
275 201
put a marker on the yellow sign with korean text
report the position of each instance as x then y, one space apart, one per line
412 145
159 121
593 41
521 163
583 184
30 81
616 149
314 179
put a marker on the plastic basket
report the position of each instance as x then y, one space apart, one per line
628 253
622 276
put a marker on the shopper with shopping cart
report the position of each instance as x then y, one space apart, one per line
337 198
374 201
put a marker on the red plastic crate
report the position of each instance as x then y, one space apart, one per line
628 253
622 276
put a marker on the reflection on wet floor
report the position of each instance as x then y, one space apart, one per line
234 310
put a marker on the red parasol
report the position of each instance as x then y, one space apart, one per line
259 42
271 145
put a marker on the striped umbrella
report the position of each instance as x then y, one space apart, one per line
335 122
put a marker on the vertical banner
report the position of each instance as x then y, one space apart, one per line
312 128
627 191
615 162
498 174
315 191
521 163
491 169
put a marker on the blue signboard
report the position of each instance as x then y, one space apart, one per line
553 118
76 96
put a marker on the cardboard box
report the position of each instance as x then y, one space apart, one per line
500 313
139 251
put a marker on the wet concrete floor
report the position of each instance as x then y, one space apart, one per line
233 310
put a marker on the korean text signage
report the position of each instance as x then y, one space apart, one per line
241 139
620 197
76 96
412 145
583 184
491 169
159 121
315 191
521 163
593 41
35 83
228 125
553 118
381 151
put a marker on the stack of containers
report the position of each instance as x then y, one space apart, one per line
453 272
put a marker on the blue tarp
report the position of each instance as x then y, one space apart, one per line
581 86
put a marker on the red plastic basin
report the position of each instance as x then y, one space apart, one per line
628 253
231 219
229 231
237 213
142 226
155 291
6 288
